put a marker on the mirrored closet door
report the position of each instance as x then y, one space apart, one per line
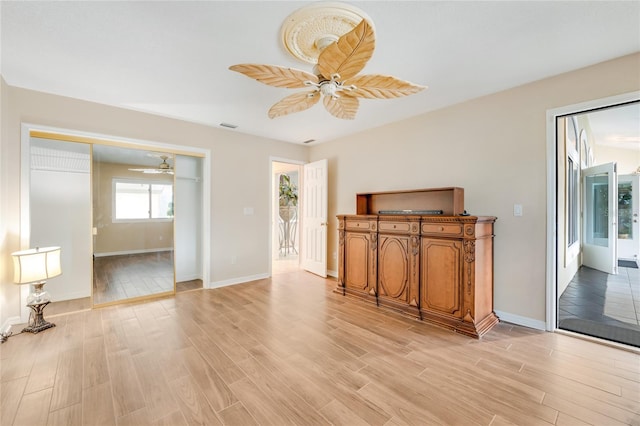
133 220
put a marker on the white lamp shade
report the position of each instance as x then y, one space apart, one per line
33 265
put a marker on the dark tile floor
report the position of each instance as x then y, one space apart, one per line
607 299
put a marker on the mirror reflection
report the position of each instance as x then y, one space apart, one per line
133 223
60 215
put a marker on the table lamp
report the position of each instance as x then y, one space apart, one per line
35 266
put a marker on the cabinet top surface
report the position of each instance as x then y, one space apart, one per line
413 217
407 191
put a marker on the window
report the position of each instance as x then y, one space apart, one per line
573 181
572 201
142 200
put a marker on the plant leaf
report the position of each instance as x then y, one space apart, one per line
381 87
349 54
294 103
344 107
273 75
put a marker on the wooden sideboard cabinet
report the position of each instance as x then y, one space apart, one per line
438 268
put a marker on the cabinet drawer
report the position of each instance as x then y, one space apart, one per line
452 229
362 225
394 226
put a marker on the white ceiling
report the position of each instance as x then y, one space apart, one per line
617 127
172 57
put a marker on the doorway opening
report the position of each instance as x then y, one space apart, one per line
596 289
286 179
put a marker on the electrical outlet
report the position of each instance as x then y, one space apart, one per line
335 255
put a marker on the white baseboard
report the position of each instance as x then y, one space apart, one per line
11 321
188 277
70 296
523 321
125 252
238 280
333 274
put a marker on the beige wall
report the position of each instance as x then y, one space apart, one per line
495 148
240 177
124 237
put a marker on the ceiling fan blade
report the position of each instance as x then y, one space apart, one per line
344 107
294 103
273 75
381 87
348 56
153 171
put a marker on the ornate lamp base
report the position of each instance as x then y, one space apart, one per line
37 323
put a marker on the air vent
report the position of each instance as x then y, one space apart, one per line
309 141
230 126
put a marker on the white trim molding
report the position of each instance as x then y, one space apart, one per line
11 321
519 320
238 280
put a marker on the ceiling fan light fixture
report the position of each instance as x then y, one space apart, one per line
336 77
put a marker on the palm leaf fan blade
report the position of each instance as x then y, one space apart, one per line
273 75
344 107
348 56
382 87
294 103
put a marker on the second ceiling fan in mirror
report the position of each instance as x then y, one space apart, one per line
163 168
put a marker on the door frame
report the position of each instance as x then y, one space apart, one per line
25 173
552 183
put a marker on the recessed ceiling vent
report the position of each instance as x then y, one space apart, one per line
230 126
309 141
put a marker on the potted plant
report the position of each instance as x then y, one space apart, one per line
288 198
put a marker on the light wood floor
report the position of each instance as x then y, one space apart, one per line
289 351
128 276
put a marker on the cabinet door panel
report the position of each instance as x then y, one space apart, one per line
440 278
357 248
393 267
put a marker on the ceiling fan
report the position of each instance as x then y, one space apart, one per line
335 78
163 168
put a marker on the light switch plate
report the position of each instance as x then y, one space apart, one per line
517 209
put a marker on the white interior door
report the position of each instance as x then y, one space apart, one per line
314 218
628 210
600 208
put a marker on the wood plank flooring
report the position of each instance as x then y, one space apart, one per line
128 276
288 351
